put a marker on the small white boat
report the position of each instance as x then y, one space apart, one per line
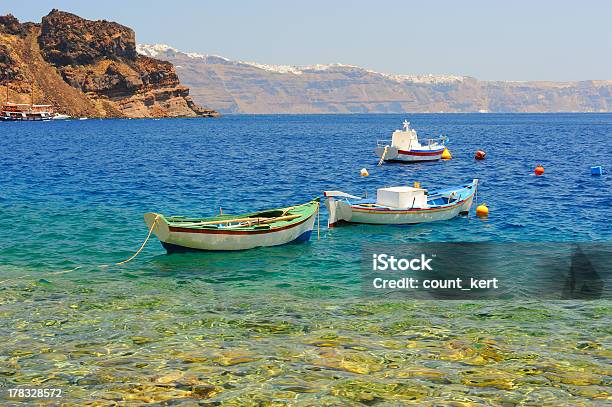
61 116
405 146
400 205
271 227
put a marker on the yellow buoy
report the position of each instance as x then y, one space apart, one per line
364 172
482 211
416 184
446 155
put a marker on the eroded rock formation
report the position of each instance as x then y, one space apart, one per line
89 68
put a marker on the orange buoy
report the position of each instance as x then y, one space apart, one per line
480 155
482 211
364 172
539 170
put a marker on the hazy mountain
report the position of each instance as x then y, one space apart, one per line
247 87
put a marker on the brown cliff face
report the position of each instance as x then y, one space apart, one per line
67 39
10 25
89 68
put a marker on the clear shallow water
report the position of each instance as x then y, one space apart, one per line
287 324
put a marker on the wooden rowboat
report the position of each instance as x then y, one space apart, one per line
400 205
270 227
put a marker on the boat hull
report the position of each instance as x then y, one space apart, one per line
344 211
393 217
173 248
397 155
181 239
24 119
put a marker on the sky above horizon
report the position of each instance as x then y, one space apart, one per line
519 40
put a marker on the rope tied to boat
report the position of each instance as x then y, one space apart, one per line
319 222
382 157
143 243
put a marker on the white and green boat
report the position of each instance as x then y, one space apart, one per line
270 227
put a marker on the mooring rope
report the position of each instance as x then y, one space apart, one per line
143 243
319 222
142 246
475 199
382 157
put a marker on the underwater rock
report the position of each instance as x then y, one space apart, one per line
349 361
477 353
415 372
484 378
575 378
205 390
54 356
272 327
170 377
269 370
141 340
588 345
301 389
368 391
153 394
324 344
234 357
530 370
592 392
192 359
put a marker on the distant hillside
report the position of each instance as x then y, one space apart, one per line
245 87
88 68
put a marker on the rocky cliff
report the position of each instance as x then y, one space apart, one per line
245 87
89 68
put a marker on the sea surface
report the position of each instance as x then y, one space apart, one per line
288 324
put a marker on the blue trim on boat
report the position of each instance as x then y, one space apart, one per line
304 237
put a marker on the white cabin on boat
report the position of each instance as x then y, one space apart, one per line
405 139
402 197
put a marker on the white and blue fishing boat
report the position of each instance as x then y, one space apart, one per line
270 227
400 205
405 146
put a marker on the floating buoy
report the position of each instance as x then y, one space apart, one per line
480 155
596 170
539 170
416 184
364 172
446 155
482 211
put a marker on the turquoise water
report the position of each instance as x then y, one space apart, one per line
278 325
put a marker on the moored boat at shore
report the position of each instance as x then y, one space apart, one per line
25 112
61 116
400 205
270 227
405 146
14 112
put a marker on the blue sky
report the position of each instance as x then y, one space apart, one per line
518 40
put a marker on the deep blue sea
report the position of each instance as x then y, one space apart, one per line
73 193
